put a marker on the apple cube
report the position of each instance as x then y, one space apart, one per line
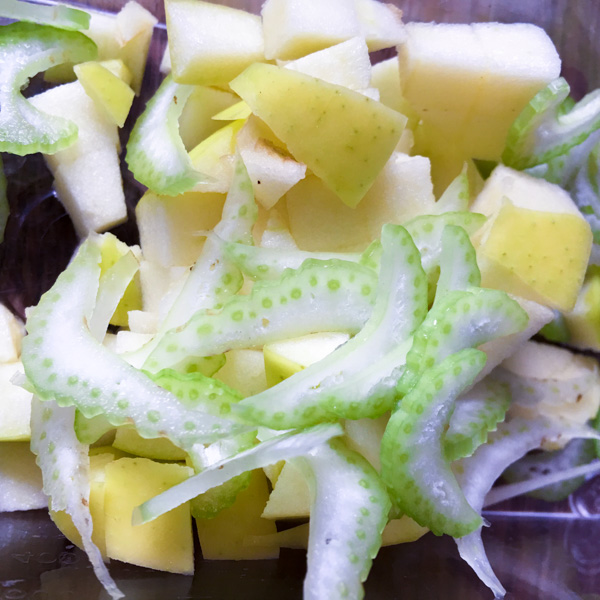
12 331
402 190
244 371
130 441
470 82
294 28
111 94
535 244
290 498
583 322
165 544
284 358
209 43
87 174
15 405
344 137
21 478
169 226
381 24
224 537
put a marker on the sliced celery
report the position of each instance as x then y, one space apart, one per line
59 15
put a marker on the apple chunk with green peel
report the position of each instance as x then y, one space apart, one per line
535 243
210 44
469 82
87 174
344 137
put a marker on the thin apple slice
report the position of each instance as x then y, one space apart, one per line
344 137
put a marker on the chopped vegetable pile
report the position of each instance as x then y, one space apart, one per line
329 314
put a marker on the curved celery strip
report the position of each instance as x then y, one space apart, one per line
64 463
282 447
89 431
4 206
545 130
320 296
269 263
476 413
458 262
460 320
533 466
65 363
59 15
155 153
477 474
585 191
25 50
328 388
240 210
420 480
349 510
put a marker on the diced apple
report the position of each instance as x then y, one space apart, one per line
385 76
344 137
165 544
402 190
169 226
21 487
346 64
364 436
160 286
381 24
117 67
87 174
284 358
276 230
110 93
290 498
535 244
583 322
402 531
209 43
244 371
130 441
11 334
196 122
470 82
15 405
294 28
224 537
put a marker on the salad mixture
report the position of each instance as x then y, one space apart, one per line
328 316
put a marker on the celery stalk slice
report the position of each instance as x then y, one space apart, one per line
282 447
476 413
320 296
64 463
59 15
25 50
349 510
413 467
155 152
65 363
477 474
547 129
327 388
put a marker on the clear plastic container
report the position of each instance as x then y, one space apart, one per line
538 550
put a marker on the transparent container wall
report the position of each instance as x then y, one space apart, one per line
539 550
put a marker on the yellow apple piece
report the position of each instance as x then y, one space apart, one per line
21 478
112 249
239 110
224 536
15 405
244 371
381 24
209 43
130 441
469 82
403 190
344 137
165 544
196 121
290 498
63 520
87 174
12 331
169 226
117 67
535 243
402 531
284 358
111 94
294 28
583 322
